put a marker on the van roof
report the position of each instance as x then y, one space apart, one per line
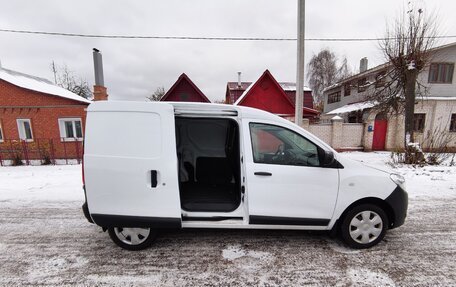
187 108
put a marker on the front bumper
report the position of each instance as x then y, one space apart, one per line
398 201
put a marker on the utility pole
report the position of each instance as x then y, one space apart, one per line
300 63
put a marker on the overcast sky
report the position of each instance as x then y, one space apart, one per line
133 69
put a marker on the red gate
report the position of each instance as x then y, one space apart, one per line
380 127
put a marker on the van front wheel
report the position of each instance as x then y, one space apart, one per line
364 226
132 238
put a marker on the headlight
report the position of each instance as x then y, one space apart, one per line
397 179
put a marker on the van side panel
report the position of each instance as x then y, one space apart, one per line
130 165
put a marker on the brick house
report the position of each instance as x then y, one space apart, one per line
39 120
435 113
269 95
184 90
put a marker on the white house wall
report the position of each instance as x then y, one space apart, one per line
438 115
447 55
443 55
438 106
344 100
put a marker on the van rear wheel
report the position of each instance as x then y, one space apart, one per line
364 226
132 238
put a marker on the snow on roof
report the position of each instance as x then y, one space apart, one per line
351 108
332 86
289 86
453 98
38 84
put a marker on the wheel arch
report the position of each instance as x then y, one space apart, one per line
370 200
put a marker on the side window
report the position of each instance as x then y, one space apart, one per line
277 145
441 73
70 129
25 129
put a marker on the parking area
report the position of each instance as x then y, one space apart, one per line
46 241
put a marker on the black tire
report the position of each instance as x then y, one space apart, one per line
359 233
121 238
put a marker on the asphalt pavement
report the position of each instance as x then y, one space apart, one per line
52 244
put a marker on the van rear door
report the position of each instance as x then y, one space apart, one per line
130 164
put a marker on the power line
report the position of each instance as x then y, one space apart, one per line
206 38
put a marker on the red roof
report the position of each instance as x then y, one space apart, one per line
184 90
279 100
234 92
267 94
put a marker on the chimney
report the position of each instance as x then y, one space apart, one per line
239 80
99 90
363 65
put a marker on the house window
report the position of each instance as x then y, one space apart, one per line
380 79
362 85
347 89
334 97
441 73
453 123
70 129
418 122
25 129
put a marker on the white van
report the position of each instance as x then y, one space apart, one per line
154 165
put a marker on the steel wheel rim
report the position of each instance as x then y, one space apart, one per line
365 227
132 236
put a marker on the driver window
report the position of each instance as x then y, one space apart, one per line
277 145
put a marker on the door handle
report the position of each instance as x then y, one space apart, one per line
263 173
153 178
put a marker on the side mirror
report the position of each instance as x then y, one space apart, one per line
328 158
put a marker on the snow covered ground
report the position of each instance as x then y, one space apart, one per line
46 241
51 183
428 181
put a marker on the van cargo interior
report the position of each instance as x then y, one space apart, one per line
209 164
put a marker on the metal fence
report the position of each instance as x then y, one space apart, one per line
40 151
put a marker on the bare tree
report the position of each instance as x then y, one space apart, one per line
406 47
323 71
66 79
157 95
344 70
